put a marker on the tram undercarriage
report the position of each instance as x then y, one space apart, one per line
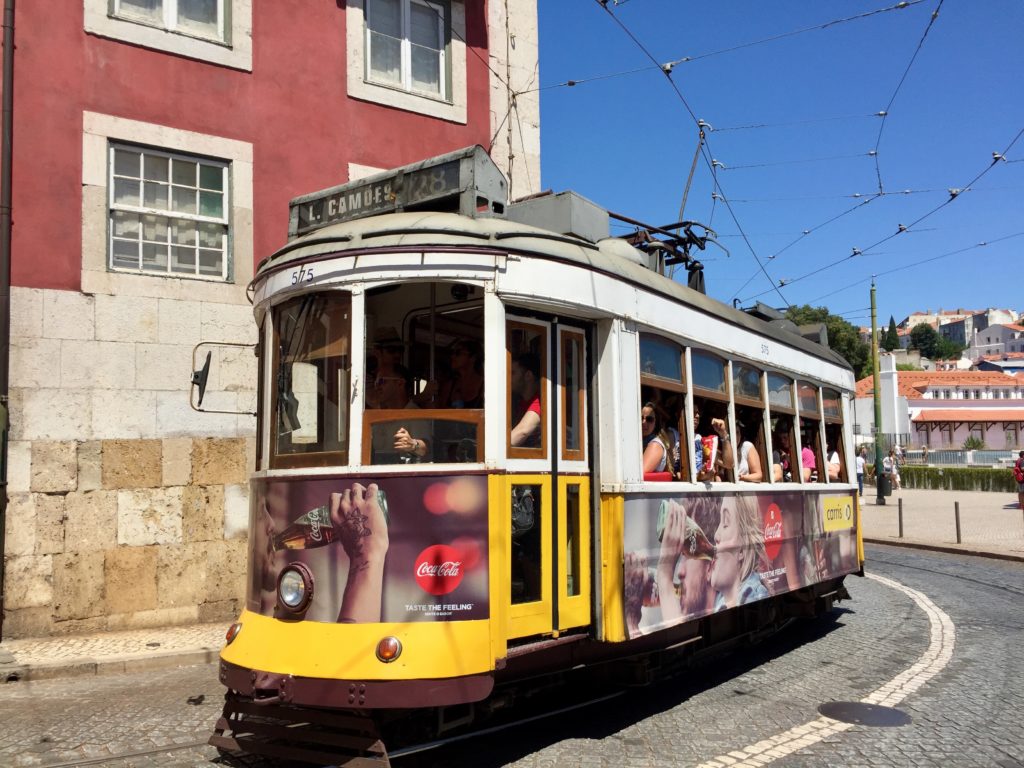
540 679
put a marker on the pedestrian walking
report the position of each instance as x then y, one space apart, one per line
891 466
1018 475
862 459
924 454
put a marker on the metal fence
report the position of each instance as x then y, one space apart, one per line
960 458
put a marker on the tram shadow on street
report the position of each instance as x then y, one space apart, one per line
623 707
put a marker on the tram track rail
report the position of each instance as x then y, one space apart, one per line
937 572
397 754
126 755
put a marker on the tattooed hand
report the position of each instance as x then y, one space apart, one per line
357 515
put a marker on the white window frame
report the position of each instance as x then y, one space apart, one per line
98 130
405 62
170 19
452 108
224 220
232 49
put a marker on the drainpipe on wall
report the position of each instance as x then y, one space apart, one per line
6 145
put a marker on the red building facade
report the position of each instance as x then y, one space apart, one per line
156 146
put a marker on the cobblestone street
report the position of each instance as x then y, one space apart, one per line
963 716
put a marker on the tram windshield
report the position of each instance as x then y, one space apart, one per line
424 391
311 380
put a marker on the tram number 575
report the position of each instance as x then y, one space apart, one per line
302 275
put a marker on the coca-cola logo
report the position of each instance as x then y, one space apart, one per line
314 526
439 569
772 531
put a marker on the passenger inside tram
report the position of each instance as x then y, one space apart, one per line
711 458
835 463
782 451
408 442
657 450
809 453
464 386
524 376
668 409
748 470
388 349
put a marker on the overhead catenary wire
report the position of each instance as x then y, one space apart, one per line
789 124
804 234
902 229
667 70
888 108
918 263
698 57
794 162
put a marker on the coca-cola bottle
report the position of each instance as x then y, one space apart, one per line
697 545
315 529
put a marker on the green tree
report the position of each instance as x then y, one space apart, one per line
891 339
932 345
908 367
925 339
843 337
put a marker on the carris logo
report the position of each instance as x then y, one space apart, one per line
439 569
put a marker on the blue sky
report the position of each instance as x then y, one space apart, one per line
627 142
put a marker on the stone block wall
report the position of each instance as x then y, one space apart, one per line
126 508
118 534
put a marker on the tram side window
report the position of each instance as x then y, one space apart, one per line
424 374
715 458
663 389
781 413
811 454
526 346
836 453
311 380
751 455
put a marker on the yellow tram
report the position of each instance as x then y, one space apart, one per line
456 488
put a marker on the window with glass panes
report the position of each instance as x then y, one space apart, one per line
201 18
168 213
405 44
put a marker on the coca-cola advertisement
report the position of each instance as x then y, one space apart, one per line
692 555
378 549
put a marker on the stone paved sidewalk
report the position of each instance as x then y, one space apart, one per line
990 523
110 652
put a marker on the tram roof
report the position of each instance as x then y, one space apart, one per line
612 256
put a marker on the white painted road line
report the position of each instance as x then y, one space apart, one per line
932 661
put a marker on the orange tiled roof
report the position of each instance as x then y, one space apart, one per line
1004 356
1013 326
912 384
969 414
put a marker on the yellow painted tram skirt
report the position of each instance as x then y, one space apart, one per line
348 651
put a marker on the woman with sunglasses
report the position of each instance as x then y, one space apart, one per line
656 441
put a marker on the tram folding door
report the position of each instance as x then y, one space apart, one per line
548 486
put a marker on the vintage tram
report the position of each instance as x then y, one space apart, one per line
450 504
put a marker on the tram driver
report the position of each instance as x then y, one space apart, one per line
395 392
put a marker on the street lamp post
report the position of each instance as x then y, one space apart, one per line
879 490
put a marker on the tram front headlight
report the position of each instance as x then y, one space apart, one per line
389 649
295 587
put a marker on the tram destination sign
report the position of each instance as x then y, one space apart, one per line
453 182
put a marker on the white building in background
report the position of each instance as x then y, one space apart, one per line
996 340
941 409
